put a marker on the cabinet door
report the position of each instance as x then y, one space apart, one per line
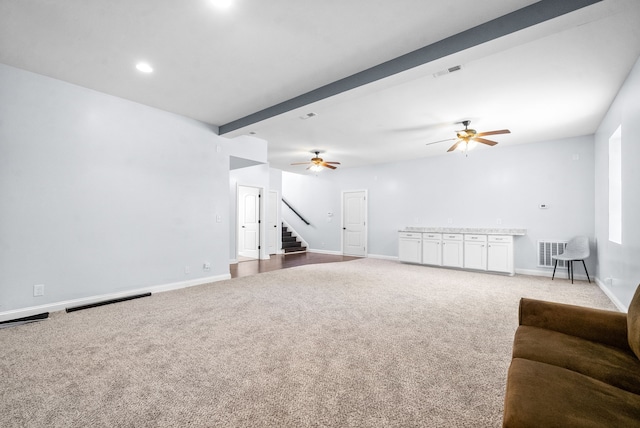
500 258
452 253
431 252
500 254
475 255
410 250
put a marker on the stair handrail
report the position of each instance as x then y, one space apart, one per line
296 212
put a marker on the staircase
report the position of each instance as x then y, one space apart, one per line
290 243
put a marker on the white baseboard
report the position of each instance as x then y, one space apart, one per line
621 307
59 306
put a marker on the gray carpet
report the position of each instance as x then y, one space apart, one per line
365 343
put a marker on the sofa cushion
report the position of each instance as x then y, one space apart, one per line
633 323
543 395
606 363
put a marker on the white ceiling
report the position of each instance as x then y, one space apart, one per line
553 80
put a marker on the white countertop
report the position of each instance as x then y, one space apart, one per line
478 230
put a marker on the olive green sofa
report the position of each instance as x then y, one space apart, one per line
574 367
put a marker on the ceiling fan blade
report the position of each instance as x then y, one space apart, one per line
455 146
501 131
483 141
334 163
326 165
300 163
441 141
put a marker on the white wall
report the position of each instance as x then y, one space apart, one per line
621 263
505 183
313 196
101 195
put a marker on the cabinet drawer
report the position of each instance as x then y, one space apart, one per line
507 239
436 236
411 235
476 238
452 236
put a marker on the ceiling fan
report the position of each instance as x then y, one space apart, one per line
468 138
317 163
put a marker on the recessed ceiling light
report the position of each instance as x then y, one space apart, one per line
222 4
144 67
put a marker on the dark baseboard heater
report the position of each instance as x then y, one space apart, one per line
106 302
24 320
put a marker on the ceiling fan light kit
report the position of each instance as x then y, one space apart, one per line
317 163
468 139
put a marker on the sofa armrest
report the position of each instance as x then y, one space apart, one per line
597 325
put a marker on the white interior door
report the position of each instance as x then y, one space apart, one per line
249 222
354 223
272 223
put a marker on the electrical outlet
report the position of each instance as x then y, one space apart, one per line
499 221
187 270
38 290
206 266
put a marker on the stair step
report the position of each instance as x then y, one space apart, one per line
291 244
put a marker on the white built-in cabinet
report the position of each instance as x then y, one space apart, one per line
500 253
452 250
468 251
410 247
475 252
432 249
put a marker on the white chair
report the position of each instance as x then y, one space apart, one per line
577 249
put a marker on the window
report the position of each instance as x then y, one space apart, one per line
615 186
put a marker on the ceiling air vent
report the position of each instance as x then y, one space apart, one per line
448 71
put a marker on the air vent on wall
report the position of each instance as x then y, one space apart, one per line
448 71
548 249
